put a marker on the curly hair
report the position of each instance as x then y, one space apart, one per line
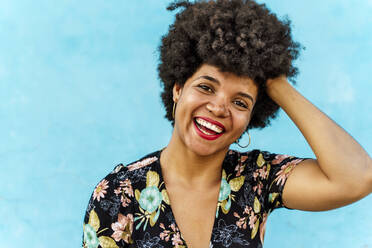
237 36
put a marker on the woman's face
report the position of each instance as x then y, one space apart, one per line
213 109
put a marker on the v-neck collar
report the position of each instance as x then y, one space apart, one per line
217 216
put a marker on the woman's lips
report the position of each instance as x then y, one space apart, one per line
206 136
213 122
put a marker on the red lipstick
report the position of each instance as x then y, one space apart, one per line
208 136
212 121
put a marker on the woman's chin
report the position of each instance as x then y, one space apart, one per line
200 146
203 152
205 149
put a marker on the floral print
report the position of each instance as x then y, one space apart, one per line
123 228
228 183
100 190
173 234
284 172
92 229
150 199
125 190
227 235
90 237
142 163
250 220
149 242
130 207
225 190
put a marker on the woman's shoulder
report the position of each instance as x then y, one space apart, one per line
260 173
258 156
125 174
252 157
108 216
243 162
142 162
108 193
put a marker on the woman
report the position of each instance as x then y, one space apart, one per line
224 65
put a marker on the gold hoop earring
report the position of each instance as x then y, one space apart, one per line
246 145
174 109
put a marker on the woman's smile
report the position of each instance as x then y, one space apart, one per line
207 128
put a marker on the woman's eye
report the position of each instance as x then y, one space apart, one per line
205 88
240 104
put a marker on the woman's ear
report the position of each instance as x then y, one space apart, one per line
177 90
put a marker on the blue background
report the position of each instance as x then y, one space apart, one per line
80 93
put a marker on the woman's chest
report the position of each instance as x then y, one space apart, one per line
194 212
228 216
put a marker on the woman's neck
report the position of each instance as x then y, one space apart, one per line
182 165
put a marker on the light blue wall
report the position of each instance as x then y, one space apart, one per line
79 93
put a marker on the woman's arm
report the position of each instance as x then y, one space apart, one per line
342 172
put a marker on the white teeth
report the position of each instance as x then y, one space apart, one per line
208 125
205 132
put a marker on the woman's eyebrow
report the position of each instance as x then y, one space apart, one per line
245 95
208 78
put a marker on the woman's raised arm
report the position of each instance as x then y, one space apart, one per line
342 171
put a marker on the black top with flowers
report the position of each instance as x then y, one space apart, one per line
130 207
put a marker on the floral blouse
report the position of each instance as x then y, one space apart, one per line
130 207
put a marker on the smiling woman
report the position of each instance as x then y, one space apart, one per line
224 66
210 98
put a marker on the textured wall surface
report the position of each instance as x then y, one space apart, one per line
79 94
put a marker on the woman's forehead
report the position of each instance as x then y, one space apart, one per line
214 74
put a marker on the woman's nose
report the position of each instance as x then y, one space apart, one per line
218 108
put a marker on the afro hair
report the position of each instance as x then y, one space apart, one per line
237 36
